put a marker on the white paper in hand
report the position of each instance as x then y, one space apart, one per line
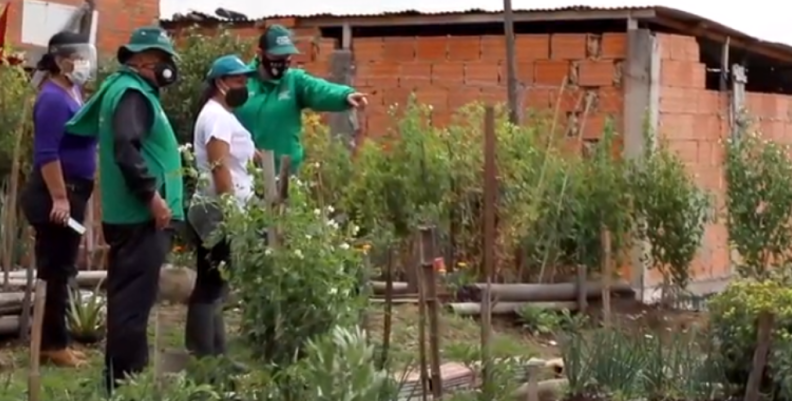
76 226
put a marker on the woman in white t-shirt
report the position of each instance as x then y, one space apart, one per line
223 150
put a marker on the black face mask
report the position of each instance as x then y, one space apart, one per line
235 97
275 68
165 74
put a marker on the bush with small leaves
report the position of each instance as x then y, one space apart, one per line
733 321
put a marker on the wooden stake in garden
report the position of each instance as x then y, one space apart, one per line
388 318
490 199
607 274
30 271
10 209
34 374
764 335
429 298
422 311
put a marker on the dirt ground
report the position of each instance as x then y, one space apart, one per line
510 339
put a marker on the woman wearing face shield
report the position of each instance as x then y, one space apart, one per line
223 151
60 184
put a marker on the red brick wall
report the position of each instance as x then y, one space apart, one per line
449 72
117 19
693 121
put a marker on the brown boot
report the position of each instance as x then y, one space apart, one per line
63 358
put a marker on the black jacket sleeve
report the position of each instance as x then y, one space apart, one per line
132 121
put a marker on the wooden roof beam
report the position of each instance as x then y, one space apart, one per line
473 18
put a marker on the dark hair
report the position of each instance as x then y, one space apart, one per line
58 46
262 41
208 90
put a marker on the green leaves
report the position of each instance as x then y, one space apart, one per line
759 204
85 316
633 365
672 213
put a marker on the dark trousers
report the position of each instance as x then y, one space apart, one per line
210 286
56 248
137 252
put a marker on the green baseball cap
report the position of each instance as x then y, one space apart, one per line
147 38
229 65
277 40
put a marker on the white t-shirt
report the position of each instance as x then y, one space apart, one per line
216 122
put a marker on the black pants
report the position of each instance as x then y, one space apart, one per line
56 248
210 286
137 252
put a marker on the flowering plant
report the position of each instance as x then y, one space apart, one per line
301 288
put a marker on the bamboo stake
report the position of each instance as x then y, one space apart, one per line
388 318
607 273
490 199
34 374
24 317
427 255
9 225
424 372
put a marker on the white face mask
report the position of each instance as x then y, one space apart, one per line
80 73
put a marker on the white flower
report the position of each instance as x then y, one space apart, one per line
330 209
332 224
316 164
308 236
333 291
298 253
355 229
344 246
317 212
268 251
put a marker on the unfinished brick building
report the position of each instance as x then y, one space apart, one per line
623 63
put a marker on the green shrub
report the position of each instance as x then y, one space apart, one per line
733 318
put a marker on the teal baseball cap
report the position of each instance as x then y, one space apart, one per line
147 38
277 40
227 65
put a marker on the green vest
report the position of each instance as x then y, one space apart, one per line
159 148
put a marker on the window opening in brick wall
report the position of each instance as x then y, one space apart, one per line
764 74
540 27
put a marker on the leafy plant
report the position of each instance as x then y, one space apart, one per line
299 290
86 315
673 213
540 321
733 317
758 203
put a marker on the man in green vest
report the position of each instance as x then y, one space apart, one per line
141 190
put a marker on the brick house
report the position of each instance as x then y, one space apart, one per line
590 63
32 22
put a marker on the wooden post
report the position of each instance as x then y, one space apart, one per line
580 285
422 311
24 317
388 318
724 67
764 337
533 381
34 374
10 208
511 63
490 199
607 275
344 125
428 255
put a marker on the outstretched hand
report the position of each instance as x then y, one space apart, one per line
357 100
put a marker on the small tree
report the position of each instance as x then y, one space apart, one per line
759 204
673 213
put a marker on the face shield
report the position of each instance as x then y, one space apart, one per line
78 60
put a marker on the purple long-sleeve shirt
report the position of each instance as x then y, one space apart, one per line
77 154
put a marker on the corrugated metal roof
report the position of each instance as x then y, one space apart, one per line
762 18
